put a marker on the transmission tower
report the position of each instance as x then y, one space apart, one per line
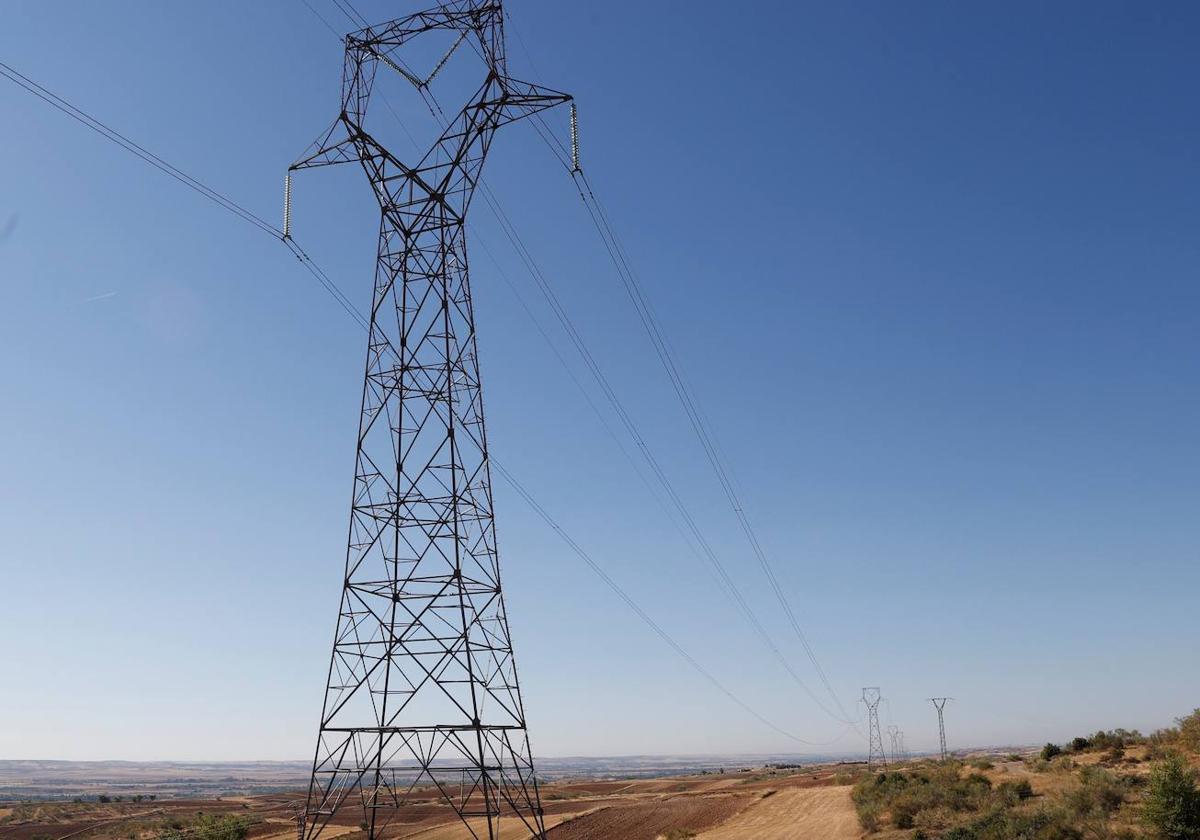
894 736
940 704
875 754
422 700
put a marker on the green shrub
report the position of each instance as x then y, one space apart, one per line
1014 792
1172 808
206 827
1050 751
1079 744
1037 765
868 815
1099 794
1189 731
926 798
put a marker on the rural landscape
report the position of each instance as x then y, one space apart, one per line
1110 785
637 420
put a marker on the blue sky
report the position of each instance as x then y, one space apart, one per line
931 271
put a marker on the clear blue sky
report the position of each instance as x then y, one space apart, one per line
932 271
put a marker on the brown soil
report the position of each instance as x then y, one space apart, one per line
821 813
733 806
646 820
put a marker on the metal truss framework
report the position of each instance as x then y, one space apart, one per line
875 754
422 697
939 703
894 736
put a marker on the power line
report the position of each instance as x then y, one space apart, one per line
121 140
221 200
650 622
690 530
228 204
695 417
675 374
531 265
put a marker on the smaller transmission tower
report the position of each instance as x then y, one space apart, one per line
939 703
875 755
894 737
903 749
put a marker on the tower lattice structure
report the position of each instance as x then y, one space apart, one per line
875 754
422 699
939 703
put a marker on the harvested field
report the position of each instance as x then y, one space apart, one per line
742 805
646 820
821 813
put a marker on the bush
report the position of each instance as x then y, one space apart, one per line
1050 751
1037 765
1014 792
927 798
1172 808
1189 731
1080 744
1099 794
207 828
868 815
1117 739
999 824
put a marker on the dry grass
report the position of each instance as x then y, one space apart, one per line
820 813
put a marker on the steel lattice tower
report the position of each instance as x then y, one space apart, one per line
422 698
894 736
875 753
940 704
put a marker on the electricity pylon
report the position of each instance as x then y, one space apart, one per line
894 736
940 704
422 699
875 754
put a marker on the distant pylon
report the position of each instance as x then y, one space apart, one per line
875 755
940 703
903 749
894 737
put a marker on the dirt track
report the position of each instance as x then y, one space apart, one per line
821 813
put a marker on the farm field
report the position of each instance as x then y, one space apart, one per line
763 803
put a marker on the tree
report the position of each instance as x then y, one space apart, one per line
1050 750
1172 808
1189 731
